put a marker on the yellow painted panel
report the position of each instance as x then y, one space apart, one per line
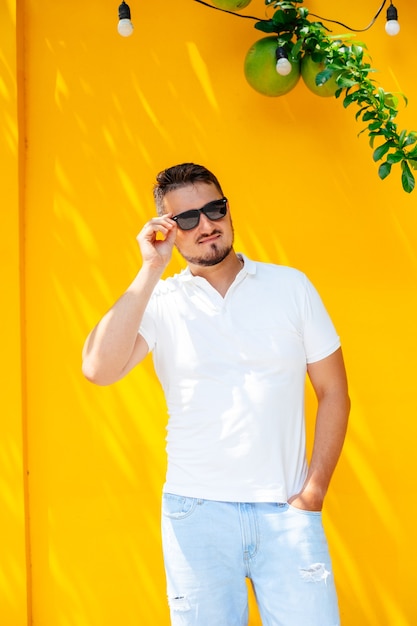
13 590
104 114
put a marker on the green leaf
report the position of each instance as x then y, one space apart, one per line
402 137
284 38
279 18
266 26
350 98
384 170
381 151
391 101
395 157
380 95
346 82
285 17
412 154
407 177
297 48
375 125
323 77
410 139
369 115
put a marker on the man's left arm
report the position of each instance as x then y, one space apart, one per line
328 377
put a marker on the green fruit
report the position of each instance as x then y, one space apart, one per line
231 5
309 71
260 69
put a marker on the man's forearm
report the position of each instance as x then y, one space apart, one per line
111 344
330 431
328 378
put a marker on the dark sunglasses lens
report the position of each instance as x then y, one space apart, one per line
188 220
215 210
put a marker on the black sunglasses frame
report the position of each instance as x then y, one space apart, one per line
206 209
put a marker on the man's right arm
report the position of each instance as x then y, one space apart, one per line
114 346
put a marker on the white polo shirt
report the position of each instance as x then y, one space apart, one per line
233 372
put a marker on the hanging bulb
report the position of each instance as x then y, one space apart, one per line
125 26
392 26
283 65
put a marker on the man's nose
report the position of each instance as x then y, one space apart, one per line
205 223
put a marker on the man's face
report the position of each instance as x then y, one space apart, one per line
210 241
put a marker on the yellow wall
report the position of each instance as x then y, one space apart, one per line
101 116
13 593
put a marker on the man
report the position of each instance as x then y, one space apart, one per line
232 340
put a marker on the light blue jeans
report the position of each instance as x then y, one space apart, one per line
211 547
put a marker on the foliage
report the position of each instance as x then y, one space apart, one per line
351 68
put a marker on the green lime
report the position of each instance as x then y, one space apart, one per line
260 69
231 5
309 71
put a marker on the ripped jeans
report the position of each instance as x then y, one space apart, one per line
211 548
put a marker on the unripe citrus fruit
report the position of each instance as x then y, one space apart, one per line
231 5
260 69
309 71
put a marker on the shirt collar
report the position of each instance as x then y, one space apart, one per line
249 267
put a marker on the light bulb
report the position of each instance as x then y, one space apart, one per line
125 26
392 27
283 67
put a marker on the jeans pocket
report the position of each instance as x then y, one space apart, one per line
177 507
294 509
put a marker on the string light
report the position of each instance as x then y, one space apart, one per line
125 26
392 26
283 65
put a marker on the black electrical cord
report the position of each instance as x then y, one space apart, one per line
250 17
355 30
210 6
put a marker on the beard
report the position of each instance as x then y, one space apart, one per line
213 256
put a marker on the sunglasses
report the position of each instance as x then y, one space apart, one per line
214 210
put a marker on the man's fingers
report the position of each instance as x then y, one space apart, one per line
157 225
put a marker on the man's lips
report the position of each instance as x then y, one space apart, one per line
209 238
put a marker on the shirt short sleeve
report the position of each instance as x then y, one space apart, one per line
320 336
147 327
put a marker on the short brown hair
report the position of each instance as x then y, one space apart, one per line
179 176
